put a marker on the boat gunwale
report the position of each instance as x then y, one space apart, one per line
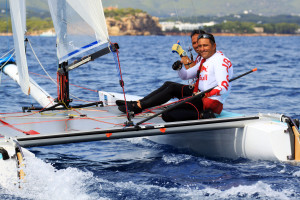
134 131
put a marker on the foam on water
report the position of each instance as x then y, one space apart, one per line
259 190
296 174
176 158
43 181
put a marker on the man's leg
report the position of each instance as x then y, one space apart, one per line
188 111
152 94
160 96
166 92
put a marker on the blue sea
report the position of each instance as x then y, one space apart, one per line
141 169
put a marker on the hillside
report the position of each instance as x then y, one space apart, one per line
124 21
129 21
164 8
187 8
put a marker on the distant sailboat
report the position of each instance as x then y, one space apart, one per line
49 33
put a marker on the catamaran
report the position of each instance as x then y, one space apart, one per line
81 31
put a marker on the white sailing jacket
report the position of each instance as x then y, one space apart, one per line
216 71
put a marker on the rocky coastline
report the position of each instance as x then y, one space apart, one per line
138 24
144 24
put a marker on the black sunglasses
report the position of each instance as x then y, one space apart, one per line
208 36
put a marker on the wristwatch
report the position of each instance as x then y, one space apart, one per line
184 54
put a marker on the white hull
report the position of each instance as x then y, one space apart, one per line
230 135
40 95
12 169
257 140
9 167
262 137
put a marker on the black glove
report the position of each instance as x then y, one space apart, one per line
177 65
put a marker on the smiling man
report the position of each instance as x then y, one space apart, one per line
211 68
214 69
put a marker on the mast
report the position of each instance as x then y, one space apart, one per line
80 27
63 84
63 96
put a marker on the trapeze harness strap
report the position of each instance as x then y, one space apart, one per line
198 74
198 58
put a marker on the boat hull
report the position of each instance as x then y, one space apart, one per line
265 137
257 140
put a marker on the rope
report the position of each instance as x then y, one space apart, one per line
67 119
164 105
7 53
36 74
48 121
48 76
29 114
1 67
77 98
118 66
176 11
96 119
41 63
7 60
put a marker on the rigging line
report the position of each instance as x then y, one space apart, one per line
1 76
33 113
7 61
14 128
189 48
90 118
118 67
79 99
7 53
84 88
193 7
176 11
47 72
41 63
62 120
164 105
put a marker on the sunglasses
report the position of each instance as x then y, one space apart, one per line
208 36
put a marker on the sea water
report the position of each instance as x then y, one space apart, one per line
141 169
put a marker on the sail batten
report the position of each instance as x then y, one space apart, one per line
80 26
18 17
80 50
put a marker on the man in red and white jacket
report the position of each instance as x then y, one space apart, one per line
214 69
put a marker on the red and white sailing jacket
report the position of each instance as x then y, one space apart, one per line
215 71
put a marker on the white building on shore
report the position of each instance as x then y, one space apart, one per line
168 26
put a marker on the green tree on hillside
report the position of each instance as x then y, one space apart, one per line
118 13
248 27
231 27
33 24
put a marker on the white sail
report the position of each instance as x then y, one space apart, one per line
80 26
23 14
18 18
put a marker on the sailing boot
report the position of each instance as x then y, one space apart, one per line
208 114
121 102
132 106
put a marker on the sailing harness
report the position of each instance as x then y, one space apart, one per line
198 74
